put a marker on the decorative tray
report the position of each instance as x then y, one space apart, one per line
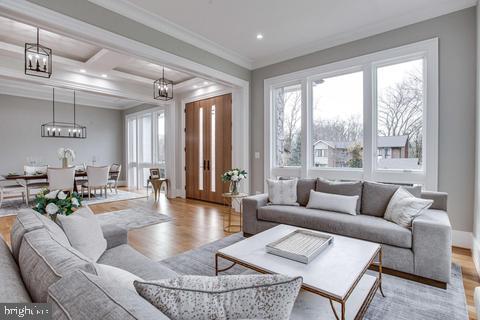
300 245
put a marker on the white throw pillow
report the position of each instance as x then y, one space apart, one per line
224 297
118 276
333 202
84 232
283 192
404 207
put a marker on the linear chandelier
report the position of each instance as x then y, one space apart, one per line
38 59
57 129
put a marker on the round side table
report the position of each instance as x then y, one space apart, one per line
235 198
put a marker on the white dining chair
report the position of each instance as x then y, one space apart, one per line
61 178
97 179
29 185
115 170
10 188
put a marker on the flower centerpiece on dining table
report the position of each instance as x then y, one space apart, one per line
234 176
66 155
56 202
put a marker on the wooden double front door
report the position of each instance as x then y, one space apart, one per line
208 147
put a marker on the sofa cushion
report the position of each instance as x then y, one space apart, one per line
344 188
84 232
282 192
43 260
129 259
121 277
81 295
224 297
376 197
404 207
29 220
12 288
303 190
360 226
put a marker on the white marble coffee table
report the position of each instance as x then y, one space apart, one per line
337 274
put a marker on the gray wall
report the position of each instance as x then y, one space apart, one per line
98 16
457 45
20 120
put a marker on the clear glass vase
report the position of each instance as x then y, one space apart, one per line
234 187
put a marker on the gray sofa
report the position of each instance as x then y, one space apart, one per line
423 251
42 267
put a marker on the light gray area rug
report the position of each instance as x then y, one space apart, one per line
133 218
12 205
405 300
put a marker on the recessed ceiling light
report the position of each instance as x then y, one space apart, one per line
104 75
83 70
195 87
259 36
205 83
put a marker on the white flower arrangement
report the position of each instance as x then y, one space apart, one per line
235 175
56 202
66 153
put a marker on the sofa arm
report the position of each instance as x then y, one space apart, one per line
439 199
250 206
432 245
114 235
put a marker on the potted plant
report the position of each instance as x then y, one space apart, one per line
66 155
56 202
234 176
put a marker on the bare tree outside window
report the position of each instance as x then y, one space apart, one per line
400 99
288 118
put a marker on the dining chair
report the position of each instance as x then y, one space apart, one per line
79 180
97 179
29 185
8 187
115 170
61 178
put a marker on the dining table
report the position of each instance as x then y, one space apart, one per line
44 176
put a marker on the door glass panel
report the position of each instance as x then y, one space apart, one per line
400 97
200 150
212 148
145 142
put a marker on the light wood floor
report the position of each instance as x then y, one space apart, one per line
197 223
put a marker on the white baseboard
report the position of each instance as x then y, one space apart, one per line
179 193
462 239
476 253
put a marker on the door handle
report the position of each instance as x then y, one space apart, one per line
208 165
204 165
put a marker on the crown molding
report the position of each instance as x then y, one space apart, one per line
159 23
366 31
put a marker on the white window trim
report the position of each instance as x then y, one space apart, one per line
427 177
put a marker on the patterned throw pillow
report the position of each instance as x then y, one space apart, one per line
282 192
224 297
404 207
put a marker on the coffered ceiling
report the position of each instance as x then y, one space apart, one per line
105 78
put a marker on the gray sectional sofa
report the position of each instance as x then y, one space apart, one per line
423 250
42 267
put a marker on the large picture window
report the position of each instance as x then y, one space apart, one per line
400 118
337 128
374 117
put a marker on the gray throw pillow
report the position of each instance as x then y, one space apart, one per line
224 297
376 196
344 188
84 233
282 192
